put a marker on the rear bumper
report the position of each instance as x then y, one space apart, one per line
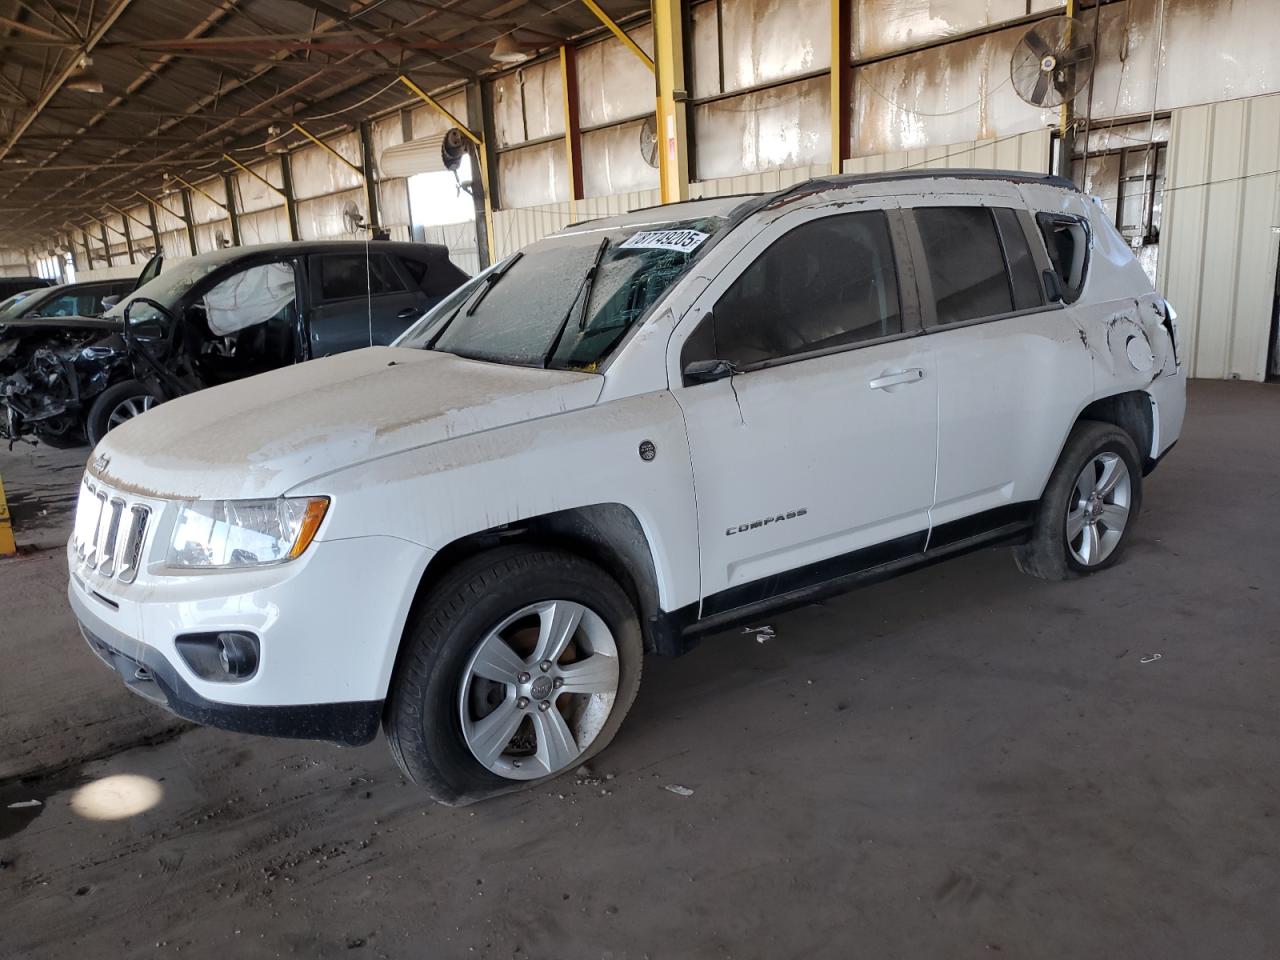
148 673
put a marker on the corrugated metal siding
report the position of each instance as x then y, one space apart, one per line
1219 242
1028 152
766 181
520 226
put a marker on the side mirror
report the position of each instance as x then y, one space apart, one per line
705 371
1052 286
111 301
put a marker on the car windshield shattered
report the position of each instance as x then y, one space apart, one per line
167 288
566 301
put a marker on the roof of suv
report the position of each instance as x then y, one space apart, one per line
739 206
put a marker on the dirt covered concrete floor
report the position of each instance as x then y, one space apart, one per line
961 763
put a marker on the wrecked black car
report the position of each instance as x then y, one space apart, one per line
209 320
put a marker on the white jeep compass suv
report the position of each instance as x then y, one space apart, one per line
632 433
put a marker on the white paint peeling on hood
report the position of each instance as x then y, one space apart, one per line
264 436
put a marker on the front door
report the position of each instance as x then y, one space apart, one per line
816 458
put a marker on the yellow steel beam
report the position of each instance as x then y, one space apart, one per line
160 205
324 146
621 34
673 150
481 155
435 104
106 226
192 186
572 137
261 179
130 216
7 545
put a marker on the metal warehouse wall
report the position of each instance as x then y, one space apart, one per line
1221 244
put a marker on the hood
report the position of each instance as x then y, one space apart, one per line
263 436
48 324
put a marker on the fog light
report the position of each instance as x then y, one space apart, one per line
236 655
226 657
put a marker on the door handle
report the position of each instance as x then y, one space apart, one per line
408 313
894 378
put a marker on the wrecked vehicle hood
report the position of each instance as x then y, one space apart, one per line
264 436
40 325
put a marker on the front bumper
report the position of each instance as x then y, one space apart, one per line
148 673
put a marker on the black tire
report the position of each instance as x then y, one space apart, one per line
422 720
97 423
1048 554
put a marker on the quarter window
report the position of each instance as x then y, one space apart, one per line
346 277
1022 266
966 263
1067 240
826 284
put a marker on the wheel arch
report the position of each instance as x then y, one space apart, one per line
607 534
1133 411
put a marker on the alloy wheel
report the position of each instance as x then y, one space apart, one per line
538 689
1098 509
129 408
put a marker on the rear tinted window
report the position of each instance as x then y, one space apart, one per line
965 262
343 277
1022 266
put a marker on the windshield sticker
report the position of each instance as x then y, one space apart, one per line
684 241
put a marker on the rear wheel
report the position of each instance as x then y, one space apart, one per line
117 404
1087 514
518 666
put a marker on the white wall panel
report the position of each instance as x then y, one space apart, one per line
531 176
264 226
766 181
784 126
207 235
613 83
612 162
317 172
322 218
883 26
175 244
204 210
393 206
427 121
251 193
529 104
1219 241
769 40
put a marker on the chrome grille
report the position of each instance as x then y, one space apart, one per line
109 532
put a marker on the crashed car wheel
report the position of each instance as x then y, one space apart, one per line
519 666
1089 508
117 404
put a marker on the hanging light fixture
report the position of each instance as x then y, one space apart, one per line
84 80
506 50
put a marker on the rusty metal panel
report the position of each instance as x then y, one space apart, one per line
785 126
613 83
1219 240
950 94
612 162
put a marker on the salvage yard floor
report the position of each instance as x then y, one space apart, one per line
964 762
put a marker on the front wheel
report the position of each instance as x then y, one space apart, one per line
1087 514
117 404
520 665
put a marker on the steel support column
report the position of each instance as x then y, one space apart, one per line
672 107
106 243
365 133
841 81
572 127
228 186
290 204
189 218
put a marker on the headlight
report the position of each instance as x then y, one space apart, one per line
227 534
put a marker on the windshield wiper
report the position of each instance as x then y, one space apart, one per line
474 301
578 306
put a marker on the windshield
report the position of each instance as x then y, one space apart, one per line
167 289
528 309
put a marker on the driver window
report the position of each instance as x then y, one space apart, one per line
251 318
827 283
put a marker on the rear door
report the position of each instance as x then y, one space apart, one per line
359 300
1013 370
